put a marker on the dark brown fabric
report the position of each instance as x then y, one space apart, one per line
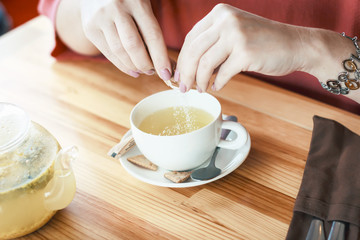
330 188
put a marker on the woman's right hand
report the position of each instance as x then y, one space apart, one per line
128 34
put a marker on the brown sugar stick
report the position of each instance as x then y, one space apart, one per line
122 147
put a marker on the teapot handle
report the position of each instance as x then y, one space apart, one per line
60 190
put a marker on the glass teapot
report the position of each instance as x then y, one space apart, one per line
36 178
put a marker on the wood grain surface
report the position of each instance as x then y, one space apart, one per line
87 103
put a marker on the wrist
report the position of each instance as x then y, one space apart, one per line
324 53
334 60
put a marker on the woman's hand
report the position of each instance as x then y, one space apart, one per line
229 40
128 34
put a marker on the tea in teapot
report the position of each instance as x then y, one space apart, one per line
36 178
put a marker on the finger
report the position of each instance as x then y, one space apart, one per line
116 48
200 27
98 38
208 63
190 56
227 70
153 38
133 43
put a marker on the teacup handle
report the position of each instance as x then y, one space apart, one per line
241 136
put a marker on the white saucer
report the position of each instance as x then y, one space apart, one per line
226 160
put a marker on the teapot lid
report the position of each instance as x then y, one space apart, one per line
14 125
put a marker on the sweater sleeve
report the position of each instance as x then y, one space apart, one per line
49 8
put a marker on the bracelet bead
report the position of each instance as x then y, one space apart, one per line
348 79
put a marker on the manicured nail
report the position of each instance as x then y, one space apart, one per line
133 74
199 89
165 74
149 72
182 87
213 87
176 76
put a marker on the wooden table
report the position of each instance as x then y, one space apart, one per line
87 104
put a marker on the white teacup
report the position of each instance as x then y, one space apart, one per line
185 151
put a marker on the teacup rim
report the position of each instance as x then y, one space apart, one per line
173 136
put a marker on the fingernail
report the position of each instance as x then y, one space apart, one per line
133 74
182 87
150 72
165 74
213 87
176 76
199 89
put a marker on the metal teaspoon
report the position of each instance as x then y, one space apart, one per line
211 170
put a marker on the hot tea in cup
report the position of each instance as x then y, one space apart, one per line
179 131
175 120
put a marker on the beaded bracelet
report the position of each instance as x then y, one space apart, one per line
350 78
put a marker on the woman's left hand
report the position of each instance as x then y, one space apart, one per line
229 40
